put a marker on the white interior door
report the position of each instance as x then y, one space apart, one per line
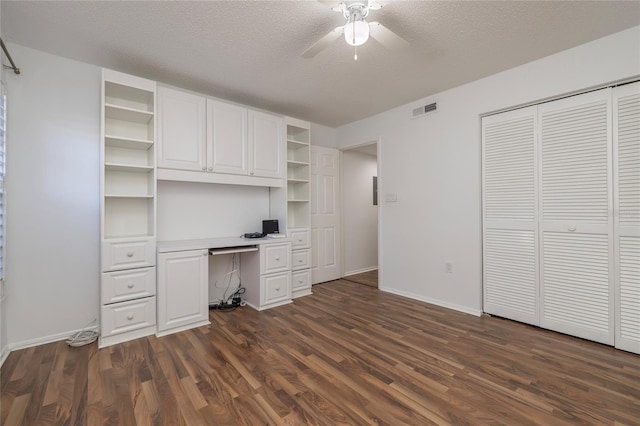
510 263
325 218
626 154
576 228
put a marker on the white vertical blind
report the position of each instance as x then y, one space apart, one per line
510 264
576 229
626 148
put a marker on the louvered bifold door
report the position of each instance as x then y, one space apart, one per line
576 228
510 268
626 154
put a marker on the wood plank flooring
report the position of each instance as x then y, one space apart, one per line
348 355
369 278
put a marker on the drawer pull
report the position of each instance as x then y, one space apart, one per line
130 317
204 168
277 257
129 254
277 288
572 228
131 285
210 169
300 260
300 281
300 239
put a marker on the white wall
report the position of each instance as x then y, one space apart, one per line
53 130
323 136
189 210
433 165
360 216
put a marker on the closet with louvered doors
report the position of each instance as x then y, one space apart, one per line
565 254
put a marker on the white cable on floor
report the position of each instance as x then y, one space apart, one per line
82 337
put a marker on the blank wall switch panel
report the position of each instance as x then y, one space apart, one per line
391 197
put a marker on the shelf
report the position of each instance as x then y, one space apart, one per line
294 144
118 112
297 201
129 143
293 163
118 237
295 181
230 250
127 196
127 168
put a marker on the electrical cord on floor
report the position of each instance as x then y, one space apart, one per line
82 337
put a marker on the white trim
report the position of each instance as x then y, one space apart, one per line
360 271
4 354
465 309
183 328
192 176
47 339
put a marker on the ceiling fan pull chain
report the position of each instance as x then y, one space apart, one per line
355 56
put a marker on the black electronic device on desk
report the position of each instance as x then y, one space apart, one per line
255 235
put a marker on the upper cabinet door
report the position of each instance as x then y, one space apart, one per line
265 145
227 138
181 130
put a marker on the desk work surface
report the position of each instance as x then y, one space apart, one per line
213 243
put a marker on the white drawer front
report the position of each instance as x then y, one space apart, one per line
275 258
301 280
127 285
300 239
128 316
301 259
117 255
275 288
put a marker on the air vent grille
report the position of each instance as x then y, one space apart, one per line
423 110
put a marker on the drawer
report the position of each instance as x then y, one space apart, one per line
128 254
301 259
275 288
301 280
275 258
128 316
300 238
127 285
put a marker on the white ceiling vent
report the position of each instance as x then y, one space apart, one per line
423 110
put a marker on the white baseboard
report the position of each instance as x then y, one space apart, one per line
48 339
459 308
4 354
360 271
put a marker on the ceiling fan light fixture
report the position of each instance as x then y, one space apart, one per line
356 31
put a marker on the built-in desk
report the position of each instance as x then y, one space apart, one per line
183 277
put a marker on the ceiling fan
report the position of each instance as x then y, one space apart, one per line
356 31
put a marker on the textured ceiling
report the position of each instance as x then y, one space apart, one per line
249 51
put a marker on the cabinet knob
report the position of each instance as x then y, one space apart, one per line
131 285
251 173
572 228
277 257
299 239
129 254
300 281
210 169
300 261
130 317
204 167
277 288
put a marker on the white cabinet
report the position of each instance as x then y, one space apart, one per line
227 138
182 290
128 208
265 145
225 143
267 275
181 130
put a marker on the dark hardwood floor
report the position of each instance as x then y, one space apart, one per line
369 278
349 354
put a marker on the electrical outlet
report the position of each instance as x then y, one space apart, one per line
448 267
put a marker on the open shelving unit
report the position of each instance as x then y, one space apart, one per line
128 208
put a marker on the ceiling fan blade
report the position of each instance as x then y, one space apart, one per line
323 43
386 37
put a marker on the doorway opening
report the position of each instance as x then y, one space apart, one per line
360 213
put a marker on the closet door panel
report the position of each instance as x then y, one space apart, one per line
576 228
626 150
510 265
